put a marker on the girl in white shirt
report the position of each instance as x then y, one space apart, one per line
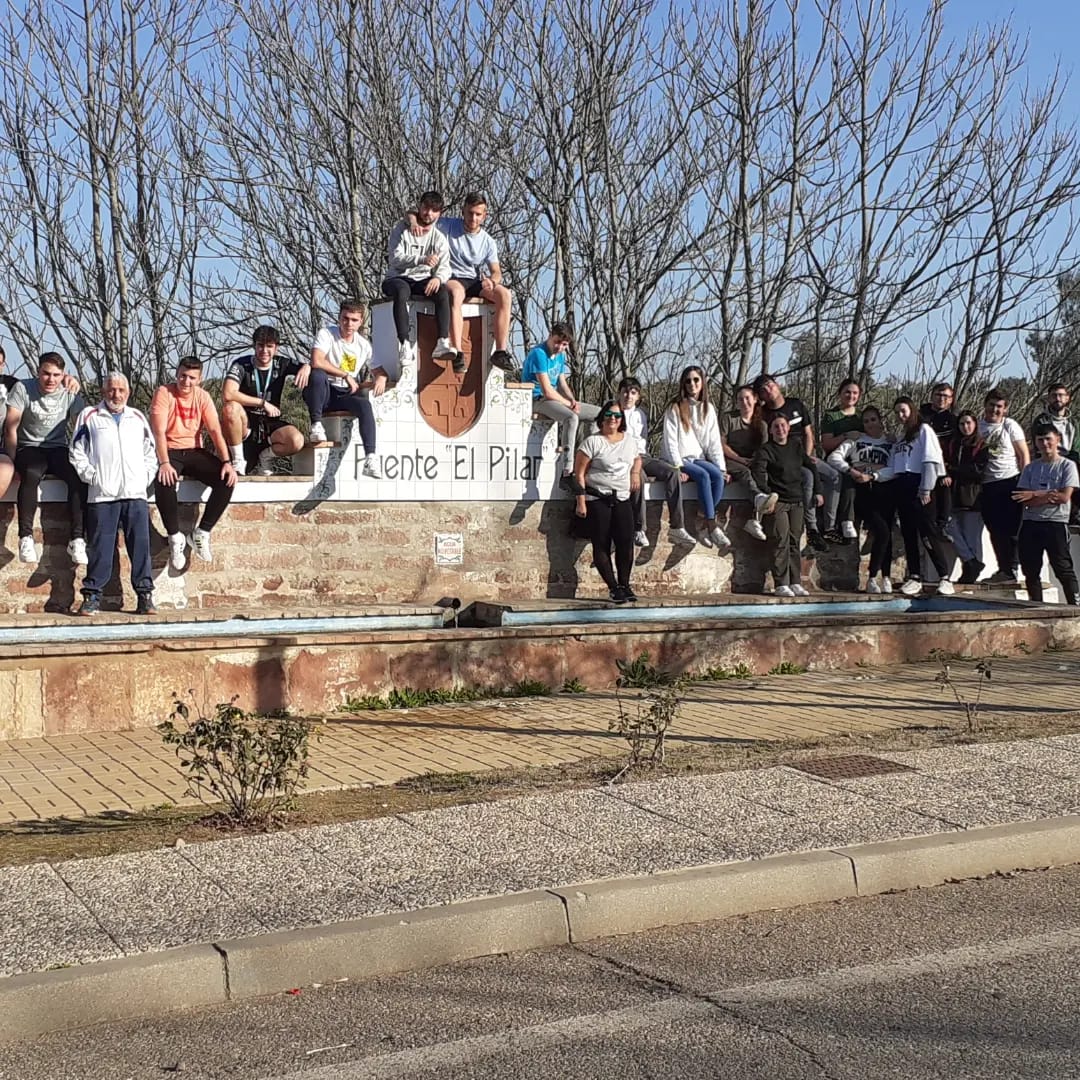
692 444
918 464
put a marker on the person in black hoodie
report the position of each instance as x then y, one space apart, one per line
777 468
937 412
965 457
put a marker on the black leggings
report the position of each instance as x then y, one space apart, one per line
32 463
611 522
874 508
1002 517
1051 537
200 465
400 289
919 527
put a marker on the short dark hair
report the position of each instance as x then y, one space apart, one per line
613 405
938 387
759 383
629 383
474 198
53 359
561 330
357 307
997 394
1045 429
265 335
1050 389
189 363
870 408
433 200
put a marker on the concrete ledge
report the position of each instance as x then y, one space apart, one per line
382 944
704 893
127 988
920 861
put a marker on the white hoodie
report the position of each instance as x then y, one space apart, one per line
922 455
701 441
113 453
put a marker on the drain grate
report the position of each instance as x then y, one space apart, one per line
850 766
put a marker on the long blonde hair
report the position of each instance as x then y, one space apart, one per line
682 402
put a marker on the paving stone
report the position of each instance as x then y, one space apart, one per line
156 900
287 883
43 924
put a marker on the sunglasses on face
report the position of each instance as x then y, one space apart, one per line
612 415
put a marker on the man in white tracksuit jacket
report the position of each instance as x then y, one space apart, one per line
112 450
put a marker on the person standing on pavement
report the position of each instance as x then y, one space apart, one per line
1055 413
917 464
113 452
778 469
1006 457
937 412
965 459
839 426
1045 490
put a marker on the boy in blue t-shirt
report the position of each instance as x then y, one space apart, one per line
545 368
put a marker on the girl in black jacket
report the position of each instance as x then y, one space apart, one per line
965 457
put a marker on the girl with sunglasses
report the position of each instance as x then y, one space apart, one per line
692 444
607 468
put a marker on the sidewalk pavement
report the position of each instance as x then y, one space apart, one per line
199 924
76 775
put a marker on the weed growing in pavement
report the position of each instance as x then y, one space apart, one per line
788 667
574 686
944 679
408 698
252 764
645 716
720 674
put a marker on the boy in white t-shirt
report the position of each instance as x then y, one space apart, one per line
341 377
1007 456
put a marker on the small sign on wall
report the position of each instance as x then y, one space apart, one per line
449 549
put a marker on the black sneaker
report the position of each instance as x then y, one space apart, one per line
816 540
91 605
501 359
834 536
145 605
458 364
619 595
1001 577
631 597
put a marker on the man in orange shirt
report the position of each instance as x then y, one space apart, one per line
179 414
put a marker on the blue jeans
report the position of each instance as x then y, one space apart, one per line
103 521
710 483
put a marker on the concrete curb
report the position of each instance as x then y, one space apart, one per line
211 974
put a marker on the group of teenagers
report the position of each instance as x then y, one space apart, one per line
942 475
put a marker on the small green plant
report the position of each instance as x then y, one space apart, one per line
573 686
643 719
639 674
720 674
409 698
944 679
788 667
252 764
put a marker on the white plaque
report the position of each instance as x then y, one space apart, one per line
449 549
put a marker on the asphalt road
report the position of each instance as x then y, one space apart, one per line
968 980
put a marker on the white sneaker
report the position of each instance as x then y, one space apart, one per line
782 590
848 530
27 550
681 536
240 465
317 432
911 587
443 348
265 465
753 527
946 588
404 355
76 550
765 504
719 537
200 544
640 539
177 550
372 467
799 590
873 588
886 586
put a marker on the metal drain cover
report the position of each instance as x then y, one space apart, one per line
850 766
